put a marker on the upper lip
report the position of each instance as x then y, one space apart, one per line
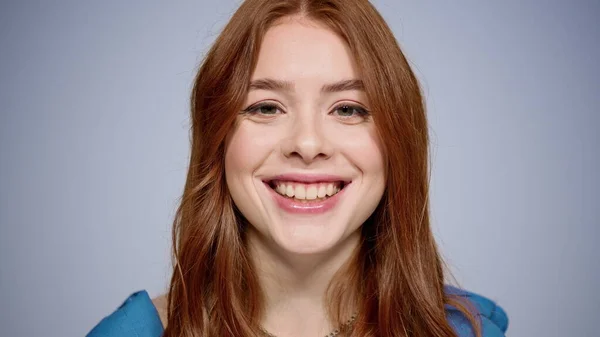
308 178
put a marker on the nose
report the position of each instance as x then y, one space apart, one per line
307 139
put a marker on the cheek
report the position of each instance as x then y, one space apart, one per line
363 148
235 162
247 147
370 157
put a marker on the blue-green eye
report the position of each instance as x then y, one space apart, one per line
262 109
349 110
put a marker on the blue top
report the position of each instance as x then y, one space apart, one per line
138 317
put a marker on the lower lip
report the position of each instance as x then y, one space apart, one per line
310 207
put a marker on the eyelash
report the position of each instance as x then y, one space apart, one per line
253 109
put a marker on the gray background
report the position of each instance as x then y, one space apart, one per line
94 146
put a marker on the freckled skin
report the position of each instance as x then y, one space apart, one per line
305 134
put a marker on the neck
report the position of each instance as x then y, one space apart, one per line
295 285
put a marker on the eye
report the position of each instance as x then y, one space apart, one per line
268 109
350 110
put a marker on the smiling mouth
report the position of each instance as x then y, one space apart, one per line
306 193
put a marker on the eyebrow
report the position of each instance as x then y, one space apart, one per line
343 86
277 85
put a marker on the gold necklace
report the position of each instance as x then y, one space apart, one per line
344 327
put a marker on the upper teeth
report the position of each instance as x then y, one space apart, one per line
307 191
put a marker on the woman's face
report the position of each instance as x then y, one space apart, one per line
303 134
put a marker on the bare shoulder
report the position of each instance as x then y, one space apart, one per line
160 302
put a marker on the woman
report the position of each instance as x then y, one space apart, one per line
305 210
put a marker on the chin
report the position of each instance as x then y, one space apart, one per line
308 237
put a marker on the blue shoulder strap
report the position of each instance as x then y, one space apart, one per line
136 317
493 318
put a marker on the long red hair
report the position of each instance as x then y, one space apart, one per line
396 273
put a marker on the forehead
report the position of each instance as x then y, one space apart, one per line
300 49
